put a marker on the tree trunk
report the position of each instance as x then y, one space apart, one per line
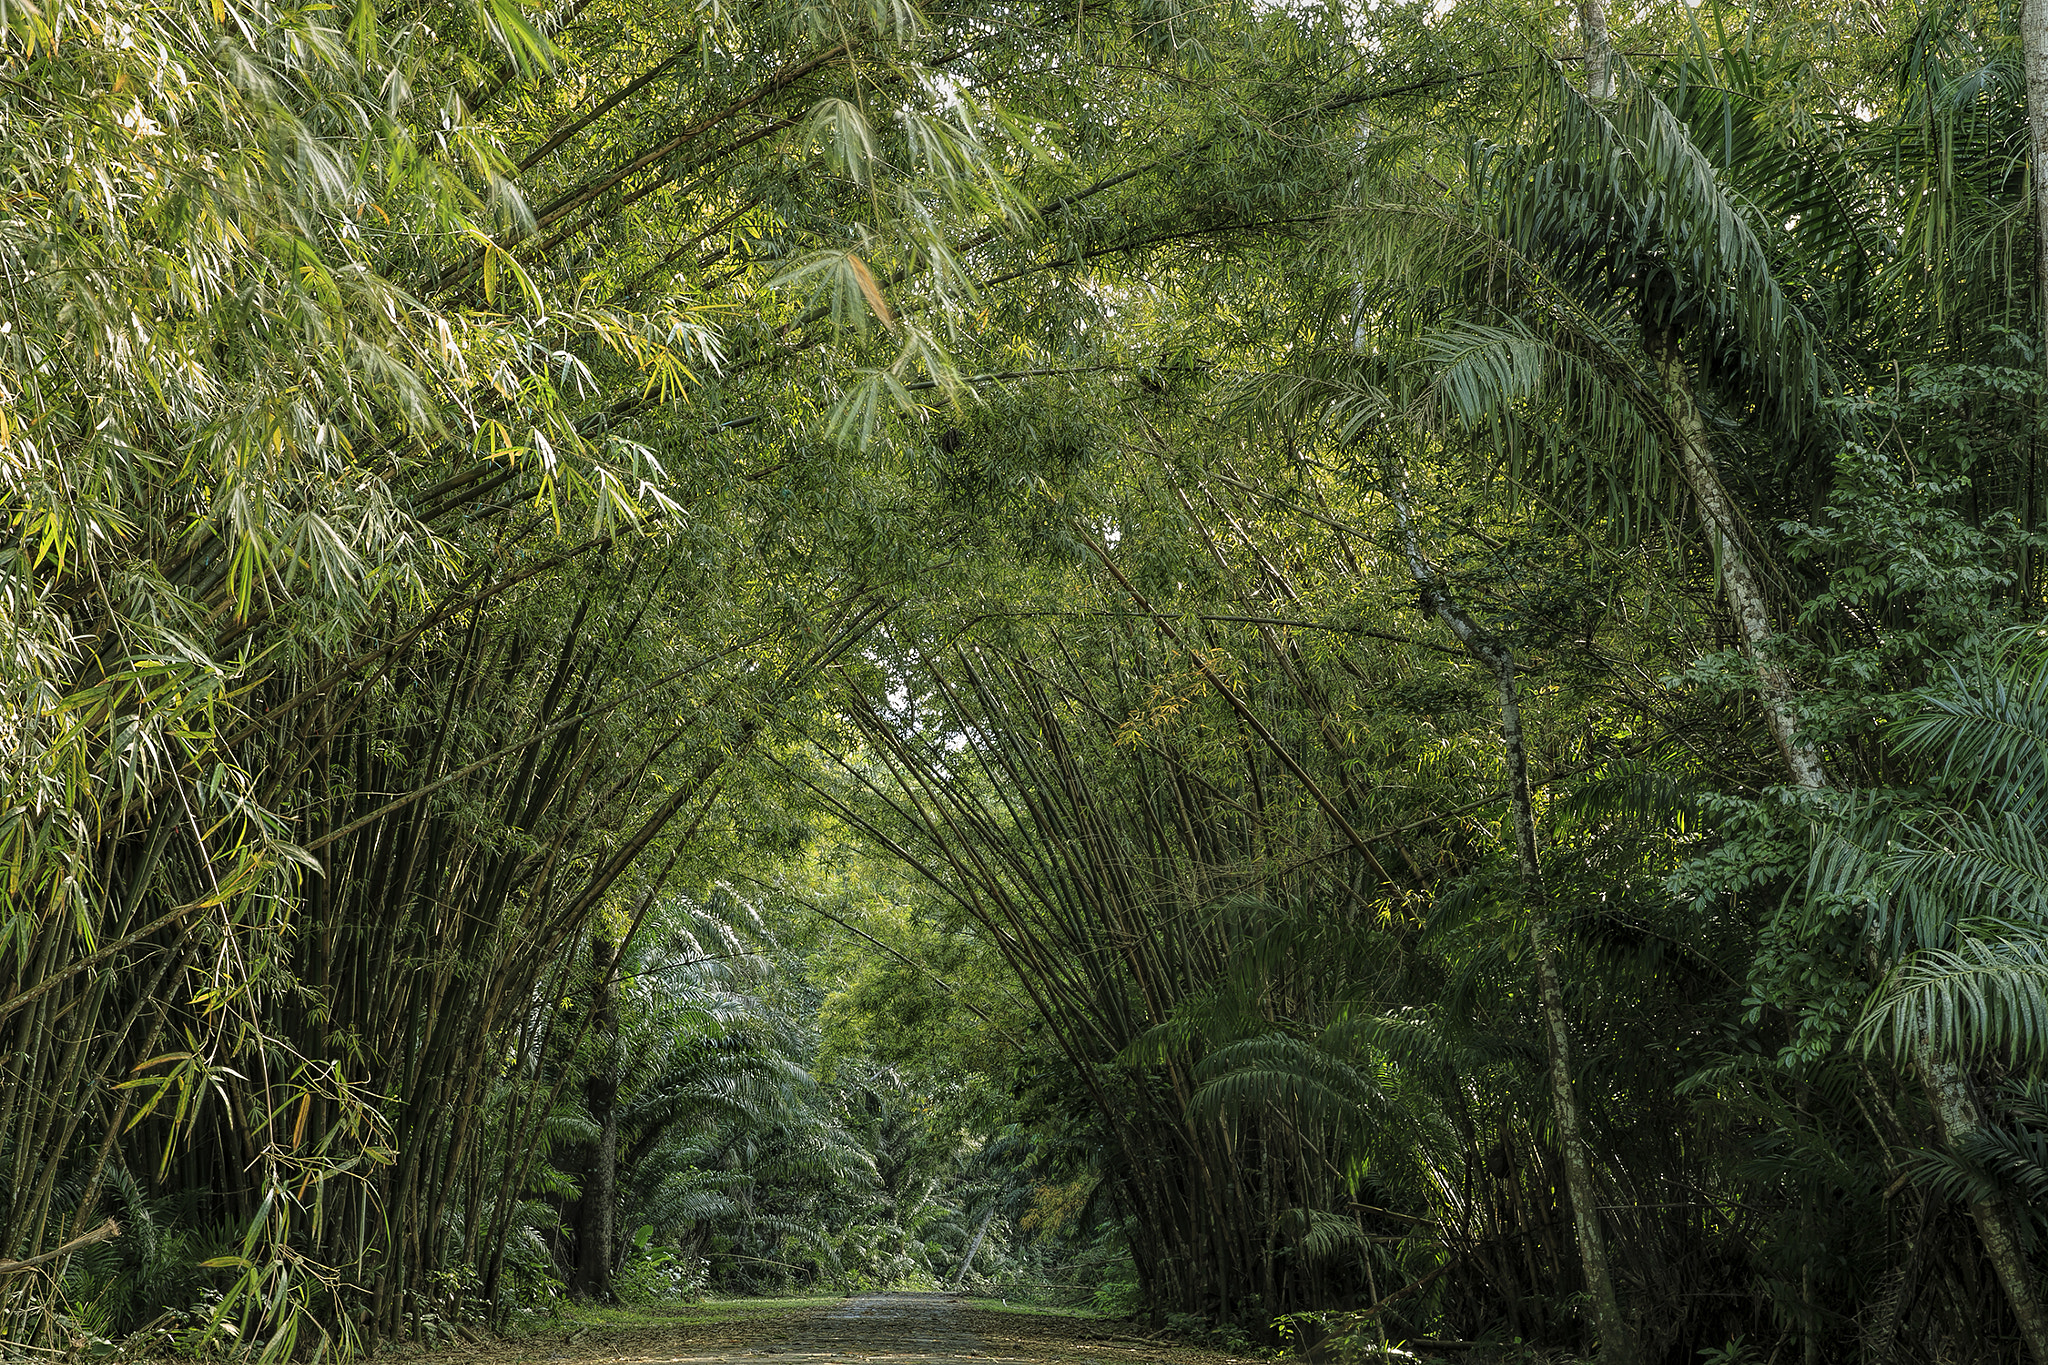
1956 1108
1616 1344
1947 1087
2034 49
1599 49
967 1261
596 1209
1953 1102
1739 584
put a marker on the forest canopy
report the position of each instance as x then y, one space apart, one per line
1337 673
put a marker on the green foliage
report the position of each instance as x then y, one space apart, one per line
1954 891
650 650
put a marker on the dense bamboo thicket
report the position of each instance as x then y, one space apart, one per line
1223 855
1346 674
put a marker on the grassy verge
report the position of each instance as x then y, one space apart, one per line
1041 1310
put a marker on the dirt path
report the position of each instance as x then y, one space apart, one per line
870 1329
907 1328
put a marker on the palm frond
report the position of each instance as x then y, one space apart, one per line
1985 996
1986 728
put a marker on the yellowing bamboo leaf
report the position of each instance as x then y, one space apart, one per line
871 290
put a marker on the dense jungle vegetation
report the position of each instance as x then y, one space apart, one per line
1355 671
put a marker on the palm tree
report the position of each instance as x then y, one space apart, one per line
1631 322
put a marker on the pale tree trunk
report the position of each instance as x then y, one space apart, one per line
1744 592
2034 56
1947 1087
967 1261
1609 1328
1599 50
1956 1108
2034 49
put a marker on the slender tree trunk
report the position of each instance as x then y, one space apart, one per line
1599 50
1956 1108
1617 1346
1740 585
2034 55
2034 48
1953 1102
1947 1087
967 1261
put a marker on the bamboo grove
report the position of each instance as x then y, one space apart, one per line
1364 675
